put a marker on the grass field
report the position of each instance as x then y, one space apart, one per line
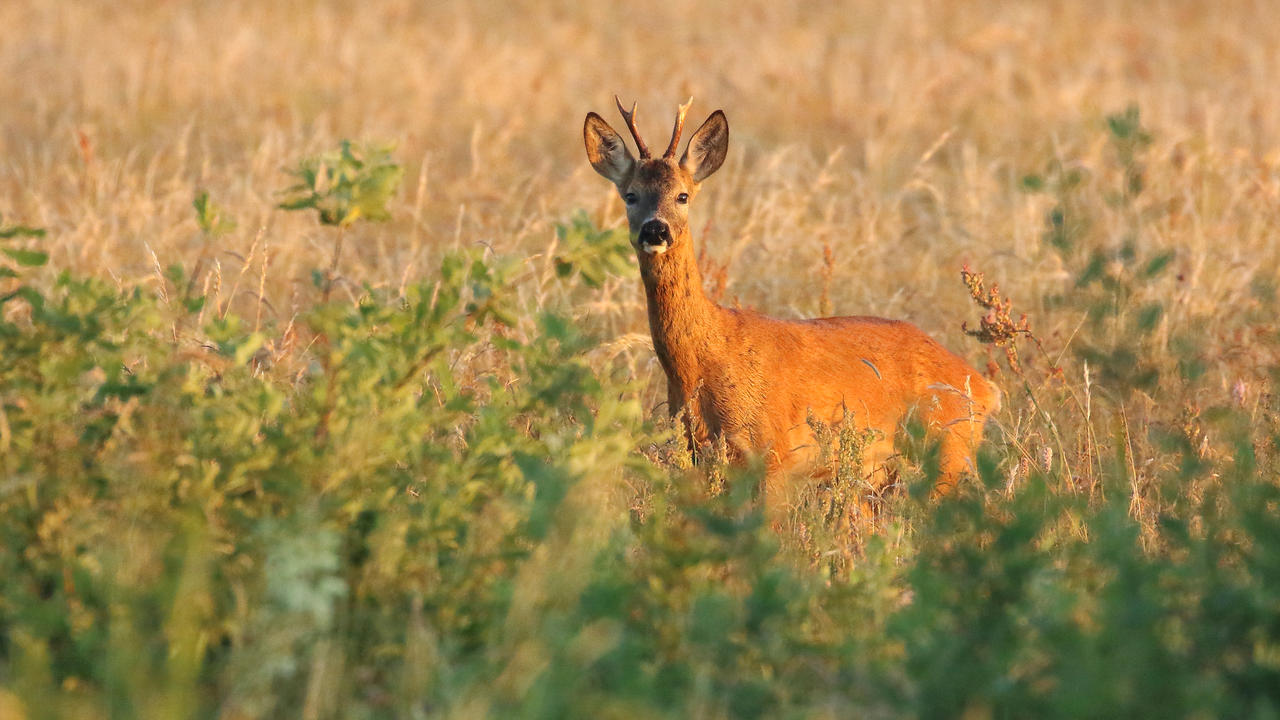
449 489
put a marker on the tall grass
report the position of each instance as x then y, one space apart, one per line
251 466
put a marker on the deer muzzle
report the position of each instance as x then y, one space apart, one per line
655 237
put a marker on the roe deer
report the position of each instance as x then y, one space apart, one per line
753 380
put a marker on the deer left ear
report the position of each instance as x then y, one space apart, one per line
707 148
606 150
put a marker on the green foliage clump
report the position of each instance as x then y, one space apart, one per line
149 484
345 185
213 220
1114 267
593 253
187 531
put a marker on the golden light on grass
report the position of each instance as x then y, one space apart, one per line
1113 166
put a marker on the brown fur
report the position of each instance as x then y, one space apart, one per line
753 380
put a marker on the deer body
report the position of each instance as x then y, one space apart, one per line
754 380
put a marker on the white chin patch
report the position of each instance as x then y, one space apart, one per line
654 249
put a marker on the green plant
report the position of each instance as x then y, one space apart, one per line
343 186
213 219
1115 266
22 256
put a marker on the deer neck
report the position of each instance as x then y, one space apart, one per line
684 322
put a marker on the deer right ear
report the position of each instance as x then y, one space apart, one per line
707 148
606 150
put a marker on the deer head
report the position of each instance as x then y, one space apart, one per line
657 191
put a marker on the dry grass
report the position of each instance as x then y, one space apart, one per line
877 148
893 133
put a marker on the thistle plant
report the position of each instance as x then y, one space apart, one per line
997 326
343 186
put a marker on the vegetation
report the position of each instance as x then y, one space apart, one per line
246 475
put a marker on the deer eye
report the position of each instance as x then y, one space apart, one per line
629 198
683 198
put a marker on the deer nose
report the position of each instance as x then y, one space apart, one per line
655 232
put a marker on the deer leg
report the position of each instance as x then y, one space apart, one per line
957 443
956 424
774 490
954 462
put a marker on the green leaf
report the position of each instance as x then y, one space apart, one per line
210 217
1092 271
1149 316
27 258
1158 264
1128 126
20 231
298 204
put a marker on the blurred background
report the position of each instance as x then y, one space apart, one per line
896 134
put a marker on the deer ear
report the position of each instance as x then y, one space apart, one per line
606 150
707 148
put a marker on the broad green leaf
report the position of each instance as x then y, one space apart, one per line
28 258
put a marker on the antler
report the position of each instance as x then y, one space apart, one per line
630 118
675 134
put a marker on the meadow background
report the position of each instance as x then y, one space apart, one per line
449 490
